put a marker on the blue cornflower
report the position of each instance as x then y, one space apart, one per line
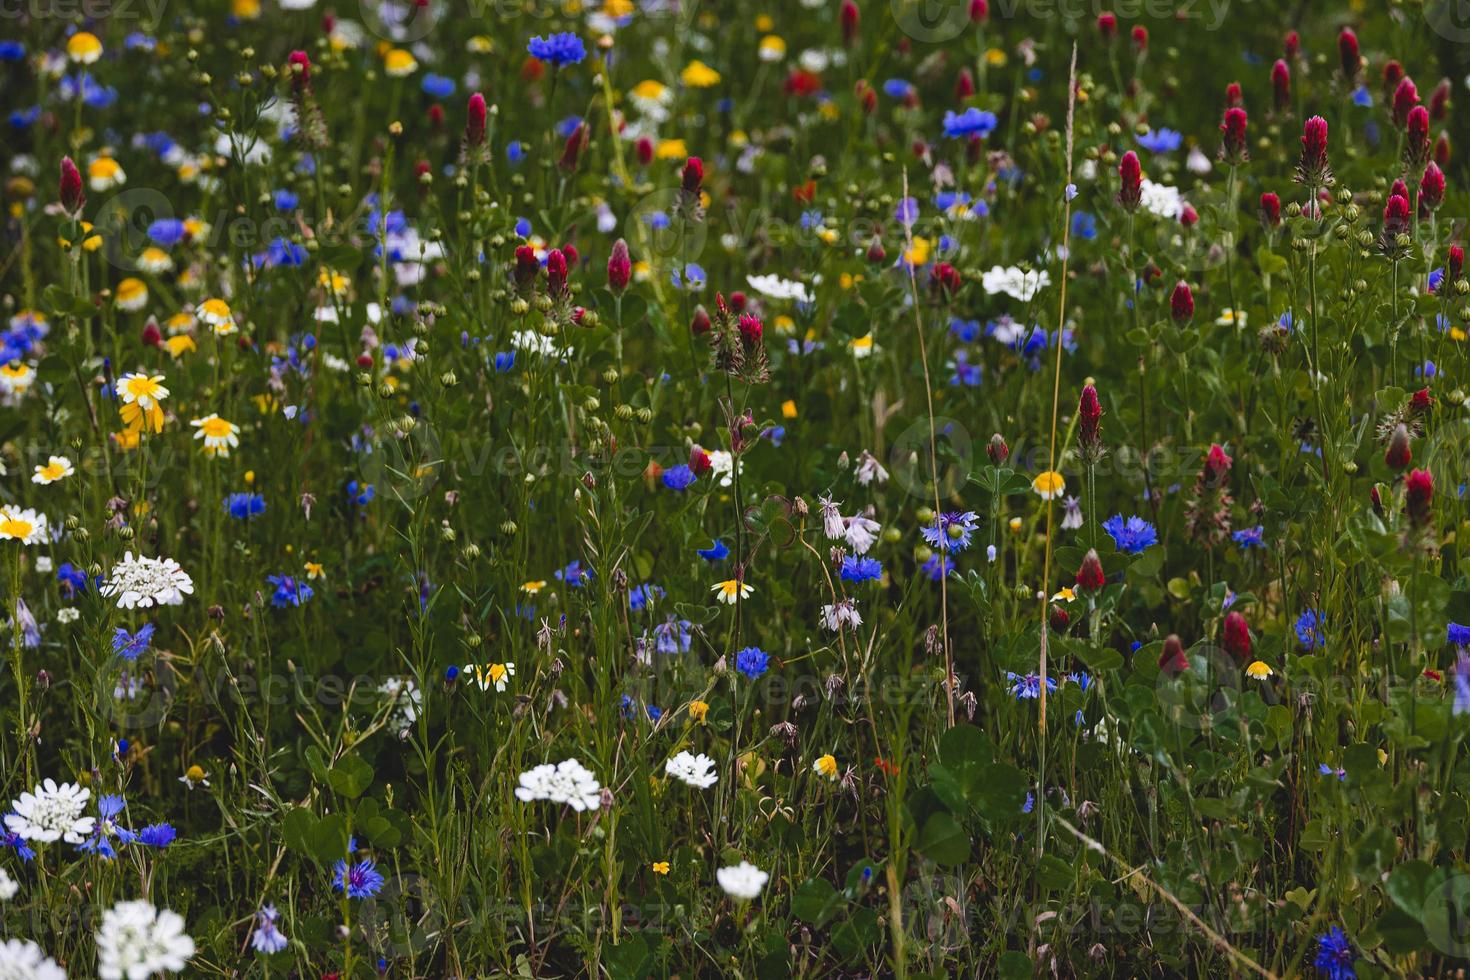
504 361
131 646
1131 536
965 372
642 596
438 86
971 122
167 232
360 880
1362 97
574 574
1030 803
1462 682
951 531
861 569
360 494
1160 141
515 152
1084 226
288 591
1081 678
965 331
1249 538
937 565
105 828
907 212
1028 685
558 49
1335 955
679 477
1458 635
752 662
568 126
1327 770
1309 629
285 200
897 88
672 636
718 551
158 835
73 580
243 506
12 51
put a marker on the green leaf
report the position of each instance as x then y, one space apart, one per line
350 776
944 841
815 901
1055 874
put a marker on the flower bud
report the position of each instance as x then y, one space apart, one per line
474 127
72 197
997 449
1181 303
1130 175
1418 496
1172 660
1090 577
1237 637
619 267
1399 454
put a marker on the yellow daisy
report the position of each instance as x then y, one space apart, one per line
533 587
219 435
215 312
398 63
56 468
1259 670
154 260
83 48
491 675
105 173
132 295
772 48
728 590
141 395
697 74
25 526
180 345
826 766
660 867
698 710
1049 485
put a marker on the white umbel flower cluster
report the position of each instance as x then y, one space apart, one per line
743 881
692 770
566 782
140 583
137 941
50 813
26 961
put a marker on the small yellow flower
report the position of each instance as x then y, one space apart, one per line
826 766
1229 318
314 571
83 48
672 150
533 587
245 9
16 377
1049 485
333 279
127 440
90 242
398 63
1065 595
728 590
479 44
180 323
918 253
995 57
56 468
131 295
1014 524
788 409
861 347
764 23
772 48
180 345
1259 670
660 867
697 74
697 711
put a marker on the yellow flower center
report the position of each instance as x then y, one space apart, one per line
14 527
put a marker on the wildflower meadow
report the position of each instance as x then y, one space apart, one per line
734 488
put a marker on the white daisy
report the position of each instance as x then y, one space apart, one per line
743 881
692 770
23 525
56 468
